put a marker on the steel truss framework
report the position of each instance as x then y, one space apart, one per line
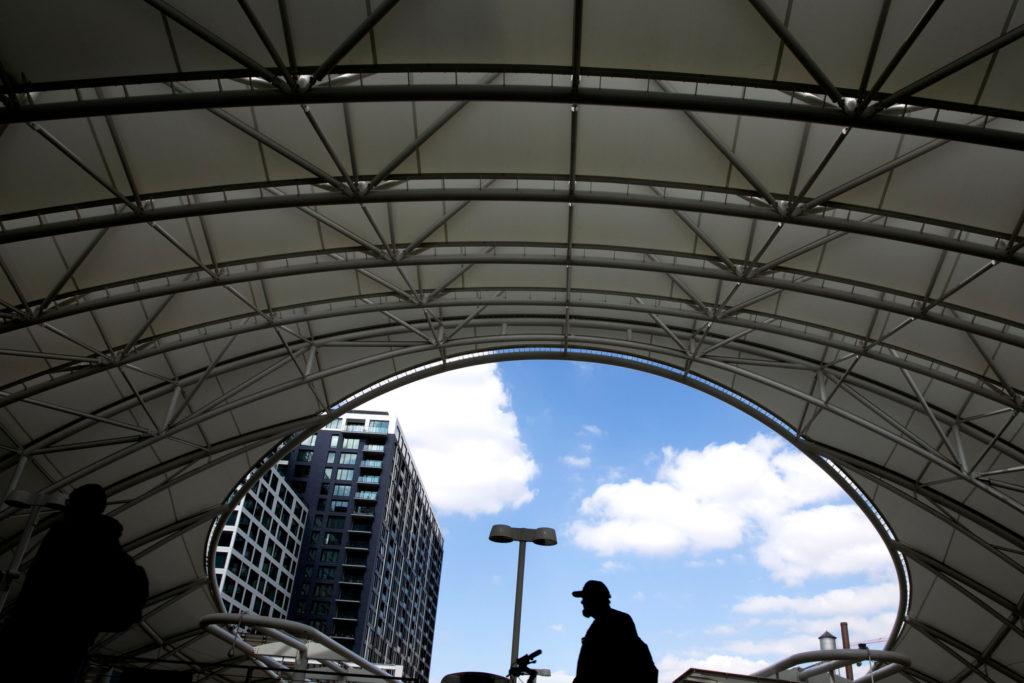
218 221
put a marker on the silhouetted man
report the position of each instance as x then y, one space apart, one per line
611 651
81 582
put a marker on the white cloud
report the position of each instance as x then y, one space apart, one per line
591 430
465 440
858 600
801 634
580 462
701 500
869 609
671 667
830 540
611 565
727 494
558 628
777 648
721 630
613 474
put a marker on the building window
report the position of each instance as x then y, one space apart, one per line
342 490
309 440
328 555
352 444
335 522
339 505
374 447
334 440
302 470
332 538
346 458
329 473
378 425
344 474
305 456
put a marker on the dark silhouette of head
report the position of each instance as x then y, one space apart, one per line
90 499
596 598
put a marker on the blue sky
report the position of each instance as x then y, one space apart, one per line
729 549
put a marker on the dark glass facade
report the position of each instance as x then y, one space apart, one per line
370 562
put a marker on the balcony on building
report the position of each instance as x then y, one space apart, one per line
350 593
361 526
352 575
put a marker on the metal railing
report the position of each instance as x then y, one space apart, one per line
296 636
833 659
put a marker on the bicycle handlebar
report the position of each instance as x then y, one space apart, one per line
521 666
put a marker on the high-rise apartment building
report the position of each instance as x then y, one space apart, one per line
370 563
258 550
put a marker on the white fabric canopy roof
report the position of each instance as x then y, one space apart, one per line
219 219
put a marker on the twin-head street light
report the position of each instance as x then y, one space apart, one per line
503 533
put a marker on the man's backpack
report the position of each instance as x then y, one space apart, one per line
642 663
126 589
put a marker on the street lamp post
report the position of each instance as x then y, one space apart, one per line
502 533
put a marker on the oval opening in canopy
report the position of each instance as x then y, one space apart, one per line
660 521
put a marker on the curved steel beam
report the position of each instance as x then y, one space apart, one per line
627 347
794 285
201 196
845 341
653 201
326 94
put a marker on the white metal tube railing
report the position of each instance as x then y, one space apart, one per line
293 629
833 656
272 665
879 674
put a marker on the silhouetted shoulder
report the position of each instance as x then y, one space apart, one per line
620 621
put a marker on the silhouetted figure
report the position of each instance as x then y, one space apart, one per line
81 582
611 651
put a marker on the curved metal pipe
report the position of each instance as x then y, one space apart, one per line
822 668
870 677
841 656
295 629
225 635
879 674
